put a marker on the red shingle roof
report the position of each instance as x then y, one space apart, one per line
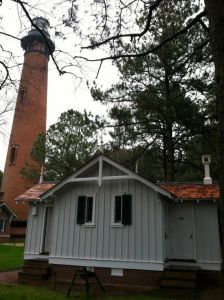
185 191
192 191
35 192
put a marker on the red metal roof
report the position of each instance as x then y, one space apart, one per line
35 192
190 191
185 191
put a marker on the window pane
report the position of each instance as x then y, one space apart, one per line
117 209
13 154
126 209
81 210
89 210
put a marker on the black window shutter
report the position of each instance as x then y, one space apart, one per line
126 209
81 209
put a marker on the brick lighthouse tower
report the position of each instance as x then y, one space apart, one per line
30 113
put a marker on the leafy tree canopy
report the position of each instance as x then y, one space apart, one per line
160 100
66 145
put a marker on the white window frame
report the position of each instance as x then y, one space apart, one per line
3 229
92 223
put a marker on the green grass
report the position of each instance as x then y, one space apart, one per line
24 292
11 257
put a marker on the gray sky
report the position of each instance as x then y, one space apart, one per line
65 91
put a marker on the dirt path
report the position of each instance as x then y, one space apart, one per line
10 277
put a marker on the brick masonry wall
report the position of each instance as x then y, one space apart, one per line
130 277
29 120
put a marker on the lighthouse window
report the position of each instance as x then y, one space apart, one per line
13 154
22 94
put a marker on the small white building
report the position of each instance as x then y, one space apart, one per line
128 229
6 216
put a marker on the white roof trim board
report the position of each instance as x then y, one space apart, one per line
100 159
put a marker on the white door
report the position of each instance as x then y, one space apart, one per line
47 231
167 231
181 232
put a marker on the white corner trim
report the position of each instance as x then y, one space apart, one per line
113 264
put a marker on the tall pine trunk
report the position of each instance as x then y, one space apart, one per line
215 10
169 141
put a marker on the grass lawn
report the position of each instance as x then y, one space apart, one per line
11 257
24 292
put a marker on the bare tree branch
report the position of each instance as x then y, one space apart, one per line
21 3
131 35
150 50
9 35
7 74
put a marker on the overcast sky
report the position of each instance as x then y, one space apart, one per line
65 91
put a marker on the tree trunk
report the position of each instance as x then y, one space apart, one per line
169 130
170 154
164 157
215 10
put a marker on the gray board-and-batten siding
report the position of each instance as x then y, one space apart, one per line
141 245
140 242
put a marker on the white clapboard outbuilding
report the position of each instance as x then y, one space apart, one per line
128 229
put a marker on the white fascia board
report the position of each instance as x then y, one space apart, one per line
137 177
136 265
105 178
70 178
118 177
132 175
83 179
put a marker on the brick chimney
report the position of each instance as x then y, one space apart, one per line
206 160
30 113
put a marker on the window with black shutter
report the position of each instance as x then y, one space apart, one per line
122 213
85 210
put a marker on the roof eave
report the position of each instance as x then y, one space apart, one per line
28 200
